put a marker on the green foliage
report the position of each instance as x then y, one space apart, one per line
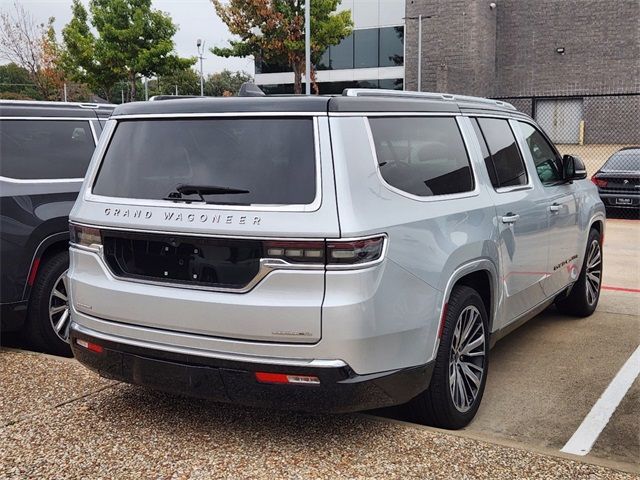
225 83
132 41
273 30
16 84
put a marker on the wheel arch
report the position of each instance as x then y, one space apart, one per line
51 245
481 275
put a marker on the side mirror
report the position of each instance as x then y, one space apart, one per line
573 168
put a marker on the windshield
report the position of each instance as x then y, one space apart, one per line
271 159
627 160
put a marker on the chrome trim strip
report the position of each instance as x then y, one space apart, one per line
84 119
435 198
395 114
93 133
63 104
311 207
317 363
41 180
218 114
199 234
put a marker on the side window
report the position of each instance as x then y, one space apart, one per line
548 165
422 156
488 161
509 166
45 149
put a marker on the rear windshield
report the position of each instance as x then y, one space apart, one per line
626 160
271 158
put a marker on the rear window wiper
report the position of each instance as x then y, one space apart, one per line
201 190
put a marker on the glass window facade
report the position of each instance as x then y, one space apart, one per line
336 88
364 48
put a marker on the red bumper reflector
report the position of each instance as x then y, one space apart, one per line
281 378
94 347
443 318
33 272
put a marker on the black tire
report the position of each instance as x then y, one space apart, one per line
39 328
436 406
581 300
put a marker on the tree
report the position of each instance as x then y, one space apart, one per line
225 83
15 83
187 82
132 41
273 30
33 47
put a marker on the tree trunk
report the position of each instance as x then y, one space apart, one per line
133 93
314 83
297 78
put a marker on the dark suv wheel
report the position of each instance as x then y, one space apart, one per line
48 317
460 371
585 293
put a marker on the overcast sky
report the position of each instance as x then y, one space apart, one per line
195 19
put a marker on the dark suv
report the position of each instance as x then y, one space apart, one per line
45 148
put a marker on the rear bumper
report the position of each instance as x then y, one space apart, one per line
232 381
611 200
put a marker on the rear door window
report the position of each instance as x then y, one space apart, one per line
505 155
45 149
271 158
422 156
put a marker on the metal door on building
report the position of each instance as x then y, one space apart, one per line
560 119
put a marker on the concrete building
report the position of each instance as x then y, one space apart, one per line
371 57
573 64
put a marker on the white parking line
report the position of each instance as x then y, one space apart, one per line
593 424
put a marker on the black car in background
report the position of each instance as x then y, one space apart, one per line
45 148
618 180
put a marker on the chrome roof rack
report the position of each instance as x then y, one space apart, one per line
373 92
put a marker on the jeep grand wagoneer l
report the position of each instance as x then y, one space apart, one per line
334 253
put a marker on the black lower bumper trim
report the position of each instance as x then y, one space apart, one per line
340 389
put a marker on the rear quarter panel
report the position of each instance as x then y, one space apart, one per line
429 241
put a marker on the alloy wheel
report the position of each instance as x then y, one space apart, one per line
467 358
59 307
594 272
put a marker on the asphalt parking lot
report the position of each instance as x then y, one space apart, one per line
59 420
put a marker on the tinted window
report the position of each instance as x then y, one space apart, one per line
391 46
488 161
342 54
272 158
627 160
548 165
45 149
510 170
366 48
422 156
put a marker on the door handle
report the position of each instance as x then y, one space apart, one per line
555 208
510 218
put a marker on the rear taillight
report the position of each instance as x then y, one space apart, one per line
354 252
599 182
295 251
85 236
357 252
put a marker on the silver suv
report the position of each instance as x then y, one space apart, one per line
325 253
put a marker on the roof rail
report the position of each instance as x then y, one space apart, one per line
373 92
156 98
63 104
